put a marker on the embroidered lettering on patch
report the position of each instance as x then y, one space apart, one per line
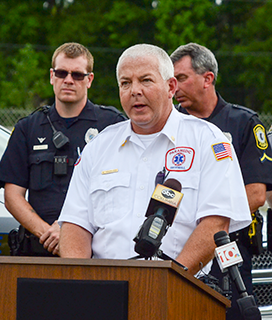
222 151
179 159
260 136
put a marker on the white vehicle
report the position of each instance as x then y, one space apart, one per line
7 221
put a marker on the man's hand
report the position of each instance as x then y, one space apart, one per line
50 239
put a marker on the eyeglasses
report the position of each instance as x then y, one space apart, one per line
79 76
161 176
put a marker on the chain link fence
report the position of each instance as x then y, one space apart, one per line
9 117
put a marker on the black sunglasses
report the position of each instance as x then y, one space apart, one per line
75 75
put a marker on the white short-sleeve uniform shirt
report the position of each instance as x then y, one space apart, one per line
114 179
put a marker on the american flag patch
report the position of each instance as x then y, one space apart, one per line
222 151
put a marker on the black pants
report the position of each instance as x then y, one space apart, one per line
233 313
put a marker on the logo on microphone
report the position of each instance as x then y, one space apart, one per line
168 194
228 255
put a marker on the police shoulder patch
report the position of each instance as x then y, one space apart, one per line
260 137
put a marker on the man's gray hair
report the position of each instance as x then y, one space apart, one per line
166 67
203 59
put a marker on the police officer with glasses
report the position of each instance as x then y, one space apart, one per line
44 147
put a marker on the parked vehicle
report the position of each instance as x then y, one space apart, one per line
7 221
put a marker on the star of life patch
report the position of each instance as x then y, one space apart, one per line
222 151
179 159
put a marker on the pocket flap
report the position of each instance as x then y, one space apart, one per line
109 181
37 158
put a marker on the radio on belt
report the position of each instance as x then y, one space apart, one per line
60 165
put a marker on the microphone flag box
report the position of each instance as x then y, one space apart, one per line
228 255
168 196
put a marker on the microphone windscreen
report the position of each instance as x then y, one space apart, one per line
221 238
173 184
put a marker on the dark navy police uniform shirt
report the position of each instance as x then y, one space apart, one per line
247 134
29 158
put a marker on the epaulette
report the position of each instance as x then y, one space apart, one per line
237 106
113 109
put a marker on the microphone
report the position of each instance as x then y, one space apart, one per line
228 258
160 215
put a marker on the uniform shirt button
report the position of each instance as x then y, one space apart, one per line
138 215
142 187
144 159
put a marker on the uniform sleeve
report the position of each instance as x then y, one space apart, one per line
221 190
256 156
77 205
14 163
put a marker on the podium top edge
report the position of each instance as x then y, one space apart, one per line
159 264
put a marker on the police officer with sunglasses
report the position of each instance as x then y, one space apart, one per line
44 147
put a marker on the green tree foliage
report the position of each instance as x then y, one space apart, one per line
238 32
25 82
180 22
255 49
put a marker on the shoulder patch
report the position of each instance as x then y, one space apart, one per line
222 151
260 137
179 159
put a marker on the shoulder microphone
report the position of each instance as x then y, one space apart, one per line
160 215
228 258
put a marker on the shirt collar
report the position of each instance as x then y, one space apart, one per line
88 112
170 130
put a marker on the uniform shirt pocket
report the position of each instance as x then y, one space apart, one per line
41 170
189 203
110 197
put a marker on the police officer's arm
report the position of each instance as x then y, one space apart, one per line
23 212
256 193
75 241
199 248
269 198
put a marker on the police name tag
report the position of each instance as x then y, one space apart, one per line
40 147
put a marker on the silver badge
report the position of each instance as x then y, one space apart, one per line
228 135
90 133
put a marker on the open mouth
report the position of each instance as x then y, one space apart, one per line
139 106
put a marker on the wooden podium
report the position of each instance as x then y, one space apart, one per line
157 290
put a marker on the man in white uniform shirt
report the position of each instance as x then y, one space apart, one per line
113 181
